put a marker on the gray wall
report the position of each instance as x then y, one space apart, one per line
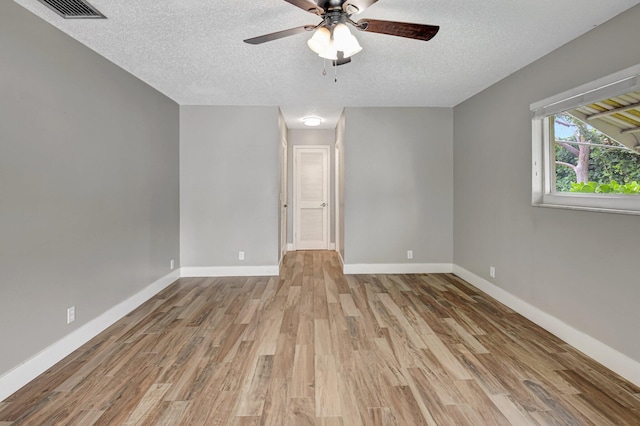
89 211
398 185
577 266
229 185
312 137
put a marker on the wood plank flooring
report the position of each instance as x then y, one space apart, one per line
315 347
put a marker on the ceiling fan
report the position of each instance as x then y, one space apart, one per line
332 39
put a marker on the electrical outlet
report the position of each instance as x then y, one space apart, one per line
71 314
240 255
492 272
409 254
172 265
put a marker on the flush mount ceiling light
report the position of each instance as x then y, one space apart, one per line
312 121
332 39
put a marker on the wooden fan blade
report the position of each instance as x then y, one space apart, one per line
279 34
307 5
399 29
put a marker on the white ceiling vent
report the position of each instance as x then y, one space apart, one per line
73 9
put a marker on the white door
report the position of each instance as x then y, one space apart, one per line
311 197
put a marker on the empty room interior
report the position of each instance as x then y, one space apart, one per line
206 221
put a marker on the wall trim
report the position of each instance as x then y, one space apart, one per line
602 353
283 251
398 268
332 247
229 271
22 374
341 261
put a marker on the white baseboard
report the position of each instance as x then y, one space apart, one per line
398 268
19 376
229 271
332 246
605 355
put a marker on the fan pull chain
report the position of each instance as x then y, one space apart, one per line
335 70
324 67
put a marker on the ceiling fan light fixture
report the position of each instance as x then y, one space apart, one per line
330 52
327 43
320 40
332 38
341 36
352 47
312 121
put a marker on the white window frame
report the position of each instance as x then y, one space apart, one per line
543 165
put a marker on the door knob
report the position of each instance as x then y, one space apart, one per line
324 204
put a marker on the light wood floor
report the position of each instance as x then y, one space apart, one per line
316 347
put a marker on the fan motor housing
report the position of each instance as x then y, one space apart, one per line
331 4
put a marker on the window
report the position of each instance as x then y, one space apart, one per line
586 146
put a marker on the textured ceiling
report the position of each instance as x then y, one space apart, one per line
192 50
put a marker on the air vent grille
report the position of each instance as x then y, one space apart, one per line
73 9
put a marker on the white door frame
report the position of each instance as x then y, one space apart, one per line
327 216
284 187
337 195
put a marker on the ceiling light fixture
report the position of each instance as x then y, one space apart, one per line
332 38
312 121
328 42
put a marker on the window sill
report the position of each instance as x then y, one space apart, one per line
603 203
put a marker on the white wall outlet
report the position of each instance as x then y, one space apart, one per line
172 264
240 255
409 254
71 314
492 272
